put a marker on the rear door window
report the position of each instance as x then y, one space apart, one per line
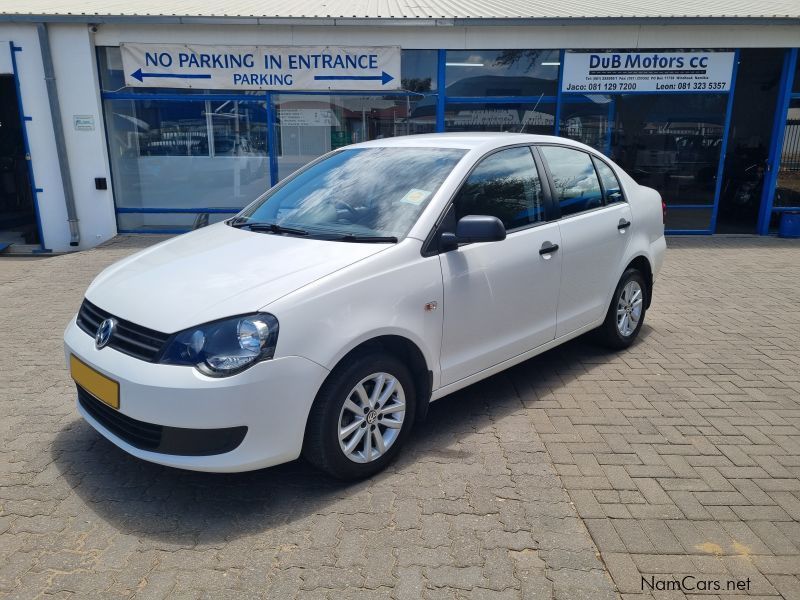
612 190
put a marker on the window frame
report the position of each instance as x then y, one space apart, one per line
430 246
551 183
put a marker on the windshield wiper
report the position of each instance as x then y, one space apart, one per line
367 239
273 227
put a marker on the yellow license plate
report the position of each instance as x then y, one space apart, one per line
98 385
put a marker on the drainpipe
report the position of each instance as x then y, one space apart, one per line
58 129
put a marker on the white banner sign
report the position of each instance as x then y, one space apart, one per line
261 67
625 72
307 117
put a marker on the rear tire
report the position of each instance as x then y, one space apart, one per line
627 311
362 415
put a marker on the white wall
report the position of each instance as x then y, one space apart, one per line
52 211
75 67
79 94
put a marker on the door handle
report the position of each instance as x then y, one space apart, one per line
623 224
547 249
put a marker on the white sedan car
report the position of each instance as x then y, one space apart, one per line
325 317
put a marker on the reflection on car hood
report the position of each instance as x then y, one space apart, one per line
216 272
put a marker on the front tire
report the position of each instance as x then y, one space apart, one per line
362 415
627 311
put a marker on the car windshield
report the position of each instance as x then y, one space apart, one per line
355 194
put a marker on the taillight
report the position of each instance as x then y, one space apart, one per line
663 213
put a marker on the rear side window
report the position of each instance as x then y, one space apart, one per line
612 190
505 185
576 185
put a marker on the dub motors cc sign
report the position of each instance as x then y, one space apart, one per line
261 67
630 72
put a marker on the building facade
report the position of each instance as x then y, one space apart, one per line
149 123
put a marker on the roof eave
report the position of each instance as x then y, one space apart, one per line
399 21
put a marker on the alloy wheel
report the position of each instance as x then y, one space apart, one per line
629 308
371 417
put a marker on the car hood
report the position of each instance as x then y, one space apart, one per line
216 272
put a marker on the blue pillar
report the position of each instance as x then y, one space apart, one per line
776 144
35 191
557 127
441 88
272 141
724 145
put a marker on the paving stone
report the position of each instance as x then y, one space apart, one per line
753 493
652 491
787 585
586 504
773 537
681 455
569 584
605 536
788 502
623 571
688 504
633 536
660 535
762 513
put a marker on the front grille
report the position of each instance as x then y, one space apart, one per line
134 340
180 441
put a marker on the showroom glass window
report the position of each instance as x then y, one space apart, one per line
522 85
308 126
530 73
670 142
505 185
185 154
525 117
787 191
181 152
173 173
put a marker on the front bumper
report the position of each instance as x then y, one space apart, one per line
272 399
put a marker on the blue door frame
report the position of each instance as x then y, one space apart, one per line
442 101
778 130
24 120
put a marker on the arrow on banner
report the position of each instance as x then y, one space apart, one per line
384 78
137 74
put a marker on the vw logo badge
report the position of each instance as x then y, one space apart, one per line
104 333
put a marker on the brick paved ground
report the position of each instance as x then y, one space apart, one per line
680 456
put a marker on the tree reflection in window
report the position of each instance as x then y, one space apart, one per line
504 185
575 181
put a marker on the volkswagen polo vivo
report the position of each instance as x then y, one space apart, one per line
325 317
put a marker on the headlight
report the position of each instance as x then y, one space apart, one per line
224 347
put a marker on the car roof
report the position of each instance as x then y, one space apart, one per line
475 140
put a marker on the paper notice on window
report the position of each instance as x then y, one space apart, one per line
415 196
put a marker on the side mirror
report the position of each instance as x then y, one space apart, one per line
474 228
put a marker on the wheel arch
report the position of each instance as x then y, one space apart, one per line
407 351
642 264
